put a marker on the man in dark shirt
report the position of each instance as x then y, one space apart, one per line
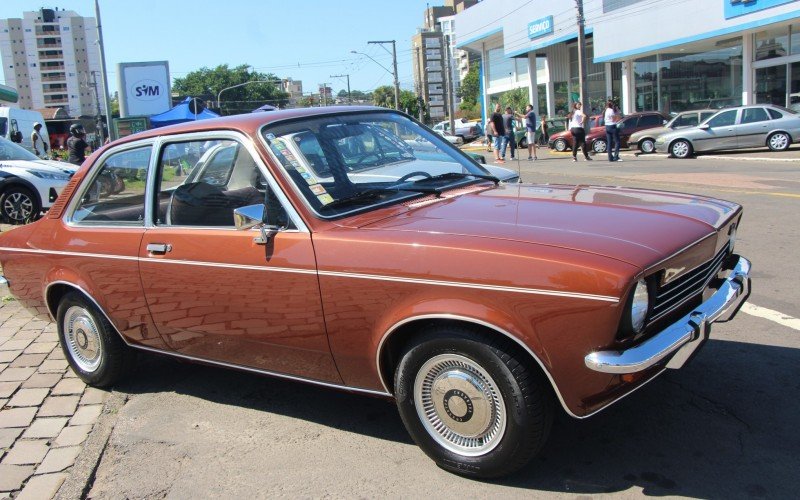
76 144
499 133
508 125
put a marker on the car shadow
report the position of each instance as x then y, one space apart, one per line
725 426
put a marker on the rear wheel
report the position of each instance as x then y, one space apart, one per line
779 141
647 146
560 145
599 146
474 406
93 349
19 205
523 143
680 149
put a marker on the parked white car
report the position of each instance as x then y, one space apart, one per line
28 185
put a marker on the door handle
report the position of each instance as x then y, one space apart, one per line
159 248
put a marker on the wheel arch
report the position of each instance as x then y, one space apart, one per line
779 131
19 181
56 290
402 333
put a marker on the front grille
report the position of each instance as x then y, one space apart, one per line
675 293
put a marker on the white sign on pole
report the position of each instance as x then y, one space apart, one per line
144 88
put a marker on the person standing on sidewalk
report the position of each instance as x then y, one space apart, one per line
612 118
499 133
508 125
577 120
40 147
530 131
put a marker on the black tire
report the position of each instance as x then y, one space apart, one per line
599 146
647 145
80 327
19 205
681 149
560 145
779 141
510 438
523 143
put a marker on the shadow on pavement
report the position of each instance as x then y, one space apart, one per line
725 426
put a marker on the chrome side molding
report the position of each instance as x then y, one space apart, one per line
681 339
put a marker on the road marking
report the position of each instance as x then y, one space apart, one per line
777 317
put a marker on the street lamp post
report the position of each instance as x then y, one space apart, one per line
219 94
393 73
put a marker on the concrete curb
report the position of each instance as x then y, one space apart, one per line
81 477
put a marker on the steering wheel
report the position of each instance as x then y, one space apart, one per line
414 174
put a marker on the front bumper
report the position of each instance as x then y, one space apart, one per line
681 339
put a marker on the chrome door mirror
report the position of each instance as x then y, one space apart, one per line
251 216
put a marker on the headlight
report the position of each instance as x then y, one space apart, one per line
639 306
53 176
732 240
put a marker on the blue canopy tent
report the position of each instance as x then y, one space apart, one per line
179 114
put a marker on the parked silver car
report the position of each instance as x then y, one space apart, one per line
751 126
645 139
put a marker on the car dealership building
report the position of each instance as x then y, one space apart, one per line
666 55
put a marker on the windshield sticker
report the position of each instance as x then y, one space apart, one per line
310 179
317 189
325 198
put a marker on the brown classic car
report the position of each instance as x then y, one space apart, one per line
356 249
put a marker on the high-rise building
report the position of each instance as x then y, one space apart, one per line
51 58
295 90
433 44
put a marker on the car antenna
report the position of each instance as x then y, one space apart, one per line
519 170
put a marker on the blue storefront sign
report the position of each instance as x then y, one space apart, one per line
540 27
736 8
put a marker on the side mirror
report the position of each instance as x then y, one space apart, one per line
251 216
664 122
704 126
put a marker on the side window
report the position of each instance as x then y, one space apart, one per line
687 120
116 194
723 119
706 115
650 121
775 114
201 183
753 115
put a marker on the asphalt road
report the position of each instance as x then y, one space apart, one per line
725 426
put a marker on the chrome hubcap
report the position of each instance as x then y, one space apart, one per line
18 207
647 146
561 145
82 338
680 149
460 405
600 147
778 141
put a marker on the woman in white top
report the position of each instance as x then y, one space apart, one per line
612 118
577 119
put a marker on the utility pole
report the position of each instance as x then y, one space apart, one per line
420 87
581 56
449 82
103 76
394 60
349 97
98 119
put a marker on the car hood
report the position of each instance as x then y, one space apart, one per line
635 226
43 165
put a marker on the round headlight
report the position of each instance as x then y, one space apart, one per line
639 305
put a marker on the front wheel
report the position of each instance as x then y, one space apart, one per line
93 349
19 205
474 406
779 141
560 145
599 146
523 143
681 149
647 146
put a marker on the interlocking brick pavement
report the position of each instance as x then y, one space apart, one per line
46 412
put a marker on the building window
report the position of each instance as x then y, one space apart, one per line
772 43
500 68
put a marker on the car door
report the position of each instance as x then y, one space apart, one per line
719 132
753 128
216 293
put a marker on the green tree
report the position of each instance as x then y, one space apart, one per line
470 89
408 102
307 102
383 96
206 83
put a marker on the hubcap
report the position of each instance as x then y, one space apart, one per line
460 405
600 147
82 338
647 146
680 149
18 207
560 145
778 141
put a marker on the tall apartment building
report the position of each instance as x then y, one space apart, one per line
429 48
295 90
50 56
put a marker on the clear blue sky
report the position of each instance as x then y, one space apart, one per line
307 40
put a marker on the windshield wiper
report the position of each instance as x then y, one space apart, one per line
458 175
375 193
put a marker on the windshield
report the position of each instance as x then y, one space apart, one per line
357 161
10 151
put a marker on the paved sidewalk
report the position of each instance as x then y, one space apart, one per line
46 412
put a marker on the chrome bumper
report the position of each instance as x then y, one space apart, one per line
683 337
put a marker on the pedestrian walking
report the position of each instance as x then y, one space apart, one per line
577 120
488 128
611 118
530 131
76 144
544 137
509 140
499 133
40 146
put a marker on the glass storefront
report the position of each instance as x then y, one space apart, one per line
695 77
595 78
778 84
